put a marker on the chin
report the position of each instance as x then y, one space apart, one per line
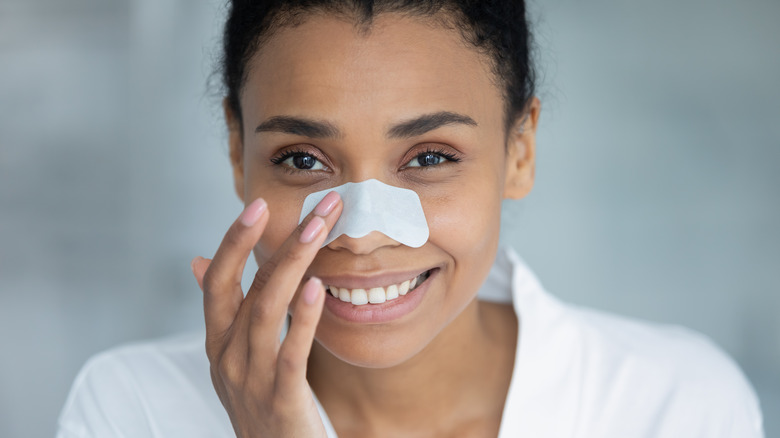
371 349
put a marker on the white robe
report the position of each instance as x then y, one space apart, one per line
578 373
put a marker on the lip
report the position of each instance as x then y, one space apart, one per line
384 312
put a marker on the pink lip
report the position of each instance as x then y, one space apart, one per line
380 313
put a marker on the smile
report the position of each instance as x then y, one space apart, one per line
377 295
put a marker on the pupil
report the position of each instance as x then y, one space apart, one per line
428 160
303 161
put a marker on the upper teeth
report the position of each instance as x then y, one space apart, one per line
376 295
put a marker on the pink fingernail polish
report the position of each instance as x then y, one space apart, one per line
327 204
253 212
311 290
312 229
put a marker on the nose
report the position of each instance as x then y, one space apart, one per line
362 245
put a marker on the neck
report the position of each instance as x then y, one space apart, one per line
462 376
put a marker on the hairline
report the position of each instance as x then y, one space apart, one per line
443 16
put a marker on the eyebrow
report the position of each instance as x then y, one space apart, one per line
322 129
428 122
299 126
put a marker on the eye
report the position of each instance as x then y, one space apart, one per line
431 158
298 161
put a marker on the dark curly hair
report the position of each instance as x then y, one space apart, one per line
497 28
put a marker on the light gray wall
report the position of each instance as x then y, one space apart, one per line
656 197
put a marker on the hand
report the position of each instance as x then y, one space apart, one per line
260 381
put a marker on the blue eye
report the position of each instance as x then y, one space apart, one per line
431 158
298 161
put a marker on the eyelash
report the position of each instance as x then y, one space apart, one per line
281 158
449 156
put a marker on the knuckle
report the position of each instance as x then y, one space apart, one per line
230 370
215 345
263 275
261 312
293 257
286 362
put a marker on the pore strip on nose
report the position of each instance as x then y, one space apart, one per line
372 205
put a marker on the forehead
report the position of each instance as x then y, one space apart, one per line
327 68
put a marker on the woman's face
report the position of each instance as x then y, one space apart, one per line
340 103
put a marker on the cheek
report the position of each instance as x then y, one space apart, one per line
281 223
465 226
464 218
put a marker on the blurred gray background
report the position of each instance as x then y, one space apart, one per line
656 197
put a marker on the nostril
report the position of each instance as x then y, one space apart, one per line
362 245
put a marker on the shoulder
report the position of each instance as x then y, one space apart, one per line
672 351
148 363
620 376
684 381
140 389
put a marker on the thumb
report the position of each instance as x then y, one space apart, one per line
199 266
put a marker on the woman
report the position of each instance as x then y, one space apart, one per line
387 337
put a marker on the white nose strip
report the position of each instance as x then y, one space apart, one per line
372 205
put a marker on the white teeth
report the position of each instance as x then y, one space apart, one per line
359 296
392 292
376 295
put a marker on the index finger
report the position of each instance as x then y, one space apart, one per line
278 279
222 295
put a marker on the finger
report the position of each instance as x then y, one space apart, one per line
199 266
294 352
222 295
277 280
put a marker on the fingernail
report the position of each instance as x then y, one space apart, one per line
312 290
327 204
253 212
312 229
